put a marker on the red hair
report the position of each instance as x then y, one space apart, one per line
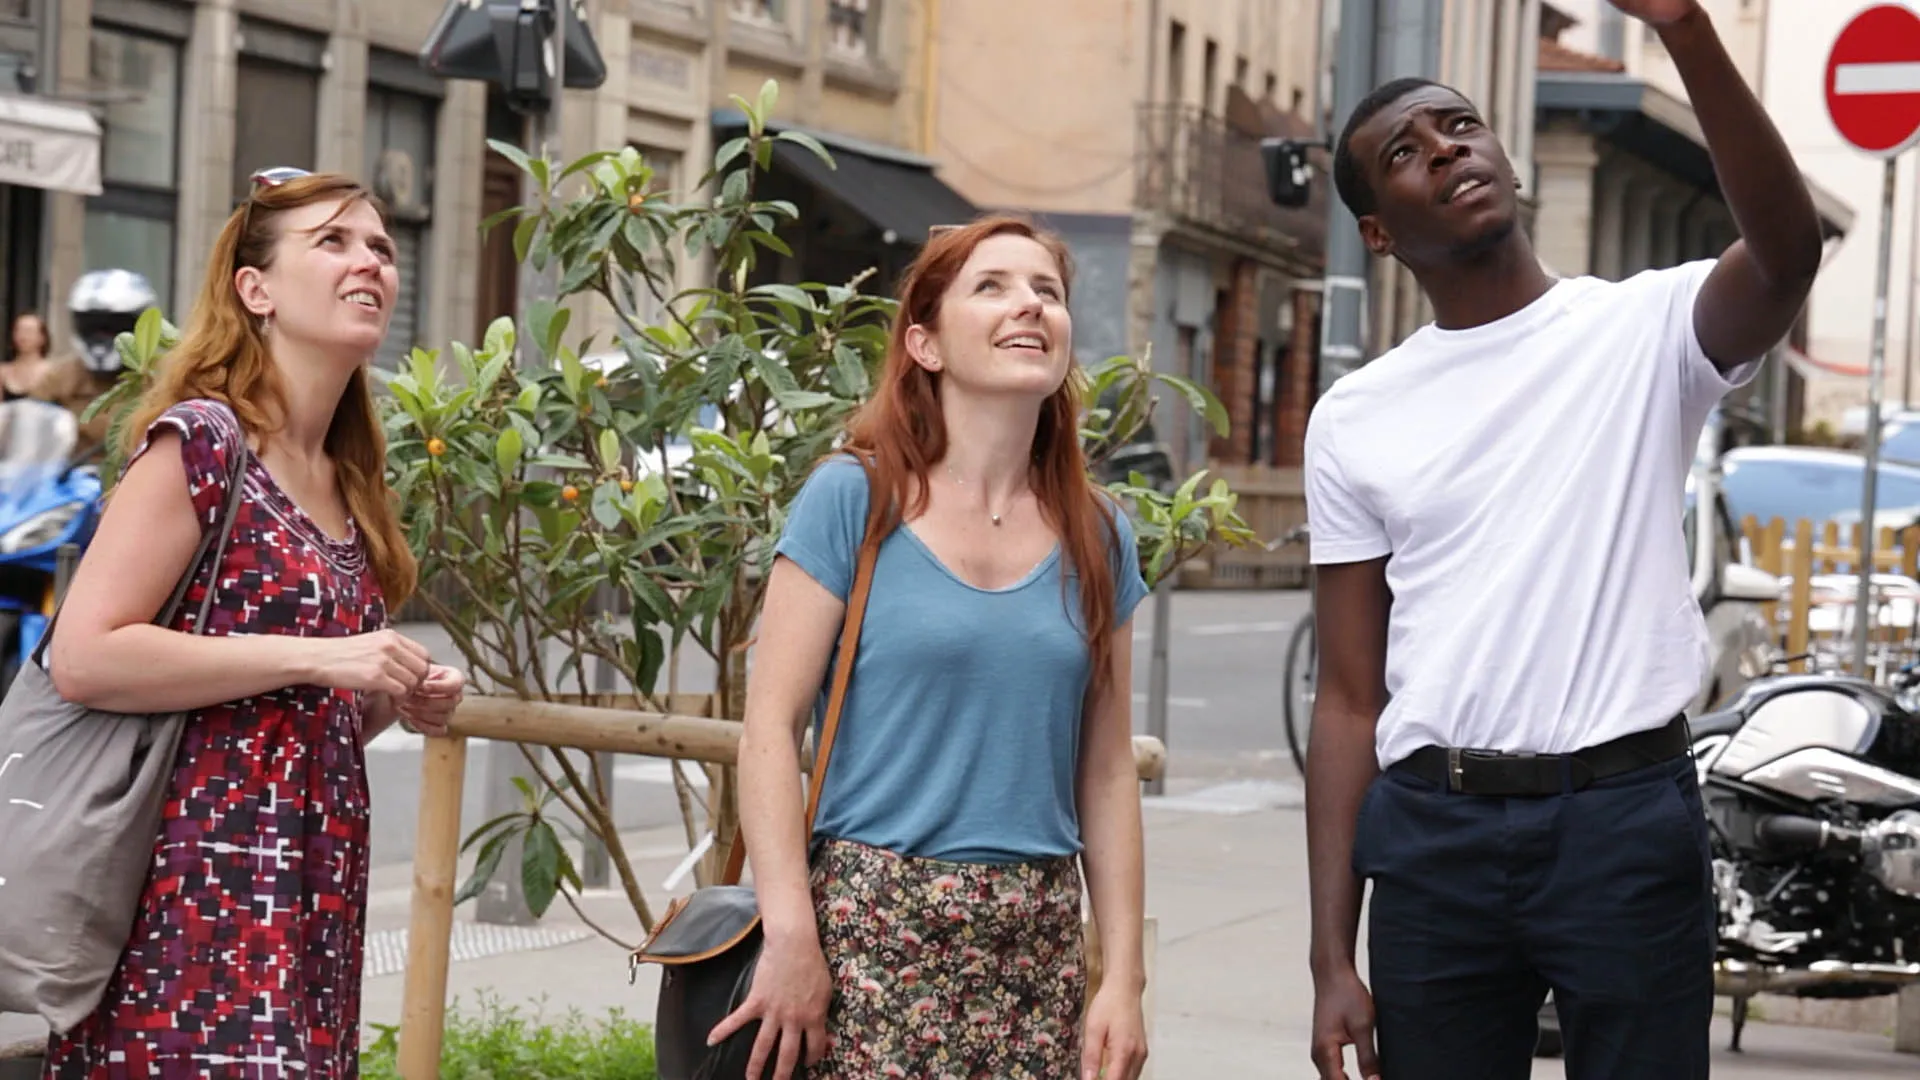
901 433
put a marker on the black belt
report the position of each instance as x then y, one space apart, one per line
1492 772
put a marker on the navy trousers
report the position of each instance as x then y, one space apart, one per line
1481 906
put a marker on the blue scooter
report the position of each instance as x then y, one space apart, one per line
49 507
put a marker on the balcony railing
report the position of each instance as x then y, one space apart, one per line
1198 169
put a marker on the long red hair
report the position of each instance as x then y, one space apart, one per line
901 433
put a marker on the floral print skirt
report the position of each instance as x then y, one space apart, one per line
949 971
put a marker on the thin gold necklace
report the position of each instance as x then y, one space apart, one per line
956 479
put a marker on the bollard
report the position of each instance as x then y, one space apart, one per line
1906 1023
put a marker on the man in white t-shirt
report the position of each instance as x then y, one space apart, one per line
1507 631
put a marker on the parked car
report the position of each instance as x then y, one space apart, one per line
1900 437
1794 482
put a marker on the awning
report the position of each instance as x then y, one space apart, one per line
49 144
1659 127
894 190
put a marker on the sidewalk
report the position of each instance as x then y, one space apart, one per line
1232 997
1226 880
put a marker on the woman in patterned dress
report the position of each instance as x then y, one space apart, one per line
245 957
931 926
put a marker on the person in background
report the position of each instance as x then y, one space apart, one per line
102 305
245 956
27 362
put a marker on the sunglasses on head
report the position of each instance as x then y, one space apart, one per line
262 179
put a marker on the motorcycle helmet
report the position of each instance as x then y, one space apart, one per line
102 305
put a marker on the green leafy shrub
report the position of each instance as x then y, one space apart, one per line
500 1042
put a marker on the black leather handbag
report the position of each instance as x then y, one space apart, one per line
707 944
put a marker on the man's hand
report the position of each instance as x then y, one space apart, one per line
1658 12
1343 1017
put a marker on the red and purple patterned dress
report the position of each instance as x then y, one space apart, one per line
245 959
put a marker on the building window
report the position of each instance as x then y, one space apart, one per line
16 11
763 12
849 25
1176 62
275 122
1209 74
400 156
16 73
130 225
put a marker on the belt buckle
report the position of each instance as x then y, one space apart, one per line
1458 757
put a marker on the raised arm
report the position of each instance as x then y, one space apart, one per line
1755 293
1350 610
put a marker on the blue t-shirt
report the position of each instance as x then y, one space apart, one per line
960 738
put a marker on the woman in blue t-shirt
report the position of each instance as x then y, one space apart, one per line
931 925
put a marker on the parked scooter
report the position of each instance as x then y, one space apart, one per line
49 506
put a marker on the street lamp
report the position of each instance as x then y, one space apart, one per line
509 43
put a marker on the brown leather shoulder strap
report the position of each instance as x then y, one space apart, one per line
836 703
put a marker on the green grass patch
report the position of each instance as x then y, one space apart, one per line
502 1042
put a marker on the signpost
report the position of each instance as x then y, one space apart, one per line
1873 99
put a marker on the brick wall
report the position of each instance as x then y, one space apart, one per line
1298 380
1233 363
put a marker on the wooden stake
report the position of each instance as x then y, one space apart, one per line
436 859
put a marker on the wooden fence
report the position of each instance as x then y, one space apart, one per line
1805 551
551 724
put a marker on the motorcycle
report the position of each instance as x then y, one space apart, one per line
49 507
1811 785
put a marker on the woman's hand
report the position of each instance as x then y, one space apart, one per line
428 709
1115 1046
382 662
790 993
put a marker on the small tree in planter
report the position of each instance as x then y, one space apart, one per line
607 505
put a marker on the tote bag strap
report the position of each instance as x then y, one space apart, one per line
215 538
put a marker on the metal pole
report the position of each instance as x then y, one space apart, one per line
504 901
596 867
1344 300
1913 256
1157 675
1863 621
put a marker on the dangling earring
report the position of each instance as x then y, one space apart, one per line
266 324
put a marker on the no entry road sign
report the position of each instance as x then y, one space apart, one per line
1873 80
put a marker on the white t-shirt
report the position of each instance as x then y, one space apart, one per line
1527 480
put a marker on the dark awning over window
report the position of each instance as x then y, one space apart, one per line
896 191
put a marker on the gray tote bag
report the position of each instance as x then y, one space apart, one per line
81 795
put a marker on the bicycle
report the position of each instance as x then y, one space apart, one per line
1302 668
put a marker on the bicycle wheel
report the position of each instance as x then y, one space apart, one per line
1302 658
